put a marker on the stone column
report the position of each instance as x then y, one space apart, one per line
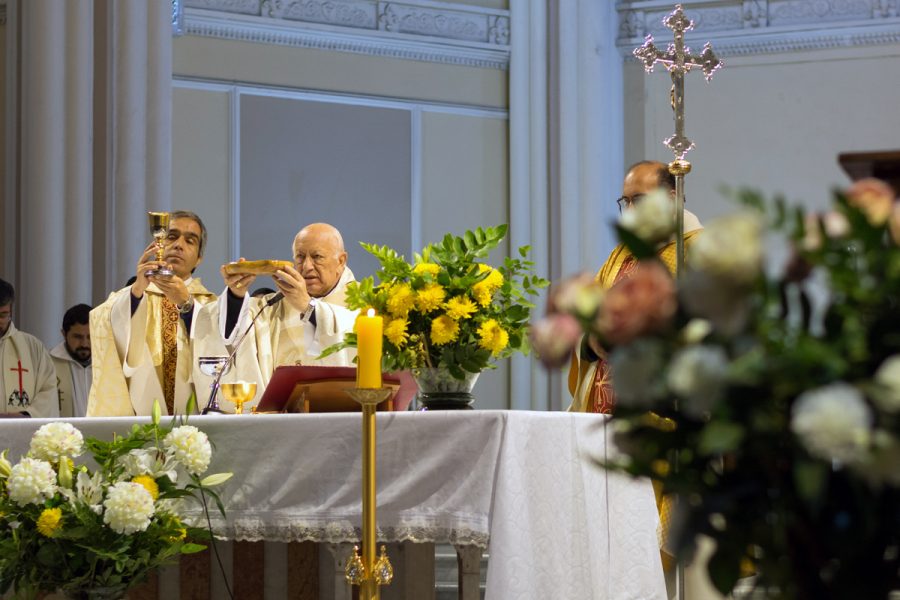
134 130
54 190
88 145
529 211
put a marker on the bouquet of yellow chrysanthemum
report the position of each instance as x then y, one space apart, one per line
70 528
448 309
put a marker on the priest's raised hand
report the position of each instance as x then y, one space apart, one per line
291 283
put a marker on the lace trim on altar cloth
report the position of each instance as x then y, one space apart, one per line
255 530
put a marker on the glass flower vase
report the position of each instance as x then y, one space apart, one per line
113 592
440 390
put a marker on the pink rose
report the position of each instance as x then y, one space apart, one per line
579 295
643 303
873 197
554 338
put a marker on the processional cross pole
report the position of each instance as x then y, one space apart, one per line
678 60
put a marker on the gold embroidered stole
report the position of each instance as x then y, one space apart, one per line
169 334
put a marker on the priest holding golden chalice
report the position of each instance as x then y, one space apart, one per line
142 335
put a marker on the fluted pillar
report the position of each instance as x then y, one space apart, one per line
88 148
138 137
54 192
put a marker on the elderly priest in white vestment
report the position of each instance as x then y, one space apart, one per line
295 329
28 380
141 336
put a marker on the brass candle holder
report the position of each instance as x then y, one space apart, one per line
365 571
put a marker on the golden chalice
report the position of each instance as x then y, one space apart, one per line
159 227
238 392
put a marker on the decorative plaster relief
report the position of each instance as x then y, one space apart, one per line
331 12
404 18
791 12
741 27
244 7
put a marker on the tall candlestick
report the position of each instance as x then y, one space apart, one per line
368 350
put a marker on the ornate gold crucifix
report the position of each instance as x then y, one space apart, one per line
678 60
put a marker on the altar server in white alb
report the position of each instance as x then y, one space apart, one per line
142 335
296 329
28 381
72 359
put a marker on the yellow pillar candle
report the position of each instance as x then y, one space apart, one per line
368 350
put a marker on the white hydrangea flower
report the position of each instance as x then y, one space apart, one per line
56 439
190 447
833 422
652 219
730 247
697 375
888 375
129 507
31 482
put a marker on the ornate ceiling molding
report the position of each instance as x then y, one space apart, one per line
746 27
411 29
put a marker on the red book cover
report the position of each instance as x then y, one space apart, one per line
323 389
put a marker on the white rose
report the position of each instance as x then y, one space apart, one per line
697 375
730 247
833 422
652 219
128 507
190 447
888 375
31 482
634 373
55 440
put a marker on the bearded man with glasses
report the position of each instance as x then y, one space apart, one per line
589 377
590 381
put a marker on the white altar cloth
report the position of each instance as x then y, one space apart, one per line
521 483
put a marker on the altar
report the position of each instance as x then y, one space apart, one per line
522 485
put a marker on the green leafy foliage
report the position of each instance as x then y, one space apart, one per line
80 550
448 308
780 501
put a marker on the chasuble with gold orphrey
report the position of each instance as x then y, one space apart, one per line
589 381
281 336
145 356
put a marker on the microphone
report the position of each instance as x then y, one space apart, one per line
275 299
212 405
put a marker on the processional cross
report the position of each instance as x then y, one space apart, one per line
678 60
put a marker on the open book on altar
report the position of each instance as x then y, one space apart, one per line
294 389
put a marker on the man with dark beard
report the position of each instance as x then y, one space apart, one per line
72 359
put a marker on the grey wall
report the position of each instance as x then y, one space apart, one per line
304 162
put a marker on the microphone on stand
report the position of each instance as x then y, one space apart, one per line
212 404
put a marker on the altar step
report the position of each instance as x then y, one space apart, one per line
446 572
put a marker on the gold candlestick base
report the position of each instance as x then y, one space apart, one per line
364 570
370 396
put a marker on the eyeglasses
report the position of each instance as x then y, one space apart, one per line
626 202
